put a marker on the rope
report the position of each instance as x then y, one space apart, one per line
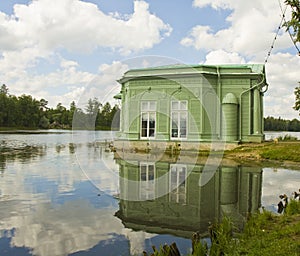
278 29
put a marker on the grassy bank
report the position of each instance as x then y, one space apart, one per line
284 151
281 151
267 234
264 234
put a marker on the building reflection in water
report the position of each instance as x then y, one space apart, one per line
233 191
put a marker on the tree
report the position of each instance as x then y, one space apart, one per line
44 122
3 104
294 125
115 118
59 116
297 100
294 22
4 89
92 110
73 106
279 124
28 110
104 116
43 104
71 113
60 108
92 107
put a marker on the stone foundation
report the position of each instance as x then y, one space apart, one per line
171 146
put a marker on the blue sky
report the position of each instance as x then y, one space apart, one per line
64 50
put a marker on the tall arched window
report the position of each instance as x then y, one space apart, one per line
148 119
179 119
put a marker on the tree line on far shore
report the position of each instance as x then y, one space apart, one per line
26 112
279 124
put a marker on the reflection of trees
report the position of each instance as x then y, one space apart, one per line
23 153
2 163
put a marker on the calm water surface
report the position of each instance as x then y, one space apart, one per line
61 194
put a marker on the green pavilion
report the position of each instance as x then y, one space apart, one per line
191 105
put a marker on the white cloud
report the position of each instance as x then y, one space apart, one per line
17 61
66 82
68 228
223 57
59 78
74 93
79 26
104 86
223 4
252 28
283 76
68 63
40 31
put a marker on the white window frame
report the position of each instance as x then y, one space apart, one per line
179 187
148 108
147 183
181 110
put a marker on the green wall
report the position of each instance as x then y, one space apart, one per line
204 88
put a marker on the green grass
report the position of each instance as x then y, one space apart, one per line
293 208
268 234
281 152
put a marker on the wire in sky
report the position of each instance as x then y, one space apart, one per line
278 29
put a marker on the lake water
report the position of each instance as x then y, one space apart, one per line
64 193
273 135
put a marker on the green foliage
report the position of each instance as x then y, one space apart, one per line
297 99
222 238
163 251
27 112
279 124
23 111
4 89
282 151
293 208
200 249
166 250
294 22
267 234
257 223
44 122
108 117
